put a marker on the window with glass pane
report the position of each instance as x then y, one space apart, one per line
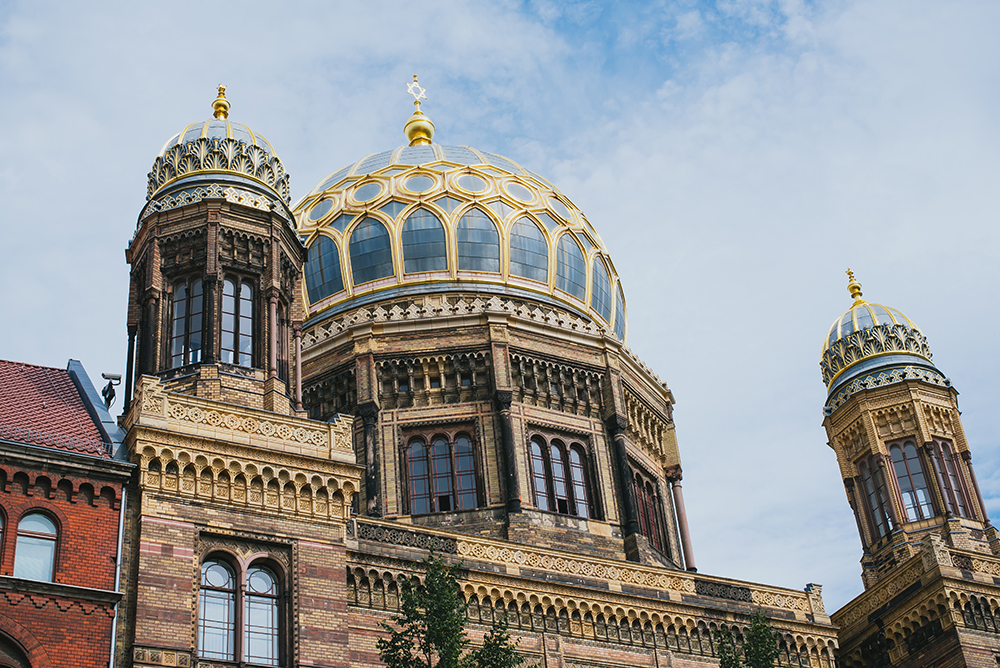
874 498
261 617
559 489
571 269
478 242
600 297
465 471
323 276
186 323
371 252
578 476
420 482
529 252
237 322
217 612
441 474
648 510
954 486
423 243
620 314
912 482
35 551
538 474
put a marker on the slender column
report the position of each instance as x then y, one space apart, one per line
932 458
503 400
616 425
298 366
209 349
128 368
967 458
849 486
272 353
891 500
369 415
674 477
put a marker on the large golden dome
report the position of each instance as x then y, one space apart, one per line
426 218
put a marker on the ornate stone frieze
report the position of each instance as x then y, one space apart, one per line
429 379
881 379
207 154
393 535
870 342
648 429
155 656
197 194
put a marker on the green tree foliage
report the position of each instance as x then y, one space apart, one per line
759 648
430 631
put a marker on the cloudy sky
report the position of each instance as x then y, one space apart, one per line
736 156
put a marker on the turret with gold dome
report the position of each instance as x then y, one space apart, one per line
431 218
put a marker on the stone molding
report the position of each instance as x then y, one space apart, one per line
197 194
881 379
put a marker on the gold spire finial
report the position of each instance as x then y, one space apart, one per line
854 287
221 104
418 129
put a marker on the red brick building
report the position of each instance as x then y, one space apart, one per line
61 498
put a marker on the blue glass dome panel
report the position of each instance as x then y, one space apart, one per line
371 252
461 155
600 295
416 155
374 162
424 247
322 270
620 314
478 243
529 252
571 268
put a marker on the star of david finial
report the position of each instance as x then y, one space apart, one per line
416 91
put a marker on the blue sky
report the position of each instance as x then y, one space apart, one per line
735 156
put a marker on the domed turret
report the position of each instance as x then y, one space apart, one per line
205 157
430 218
871 345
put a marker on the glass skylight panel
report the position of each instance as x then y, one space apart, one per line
519 192
620 314
322 270
500 208
341 222
367 192
461 155
371 252
472 183
393 208
529 252
449 204
417 155
419 183
333 179
548 220
424 246
320 209
374 162
478 243
502 163
571 269
560 208
587 245
600 297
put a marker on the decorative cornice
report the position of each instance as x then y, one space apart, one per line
881 379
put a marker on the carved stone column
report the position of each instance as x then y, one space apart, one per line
967 458
513 488
298 366
674 477
617 424
272 334
369 417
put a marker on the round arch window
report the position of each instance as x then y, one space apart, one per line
35 555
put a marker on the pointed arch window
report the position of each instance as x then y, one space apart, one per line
35 552
237 322
571 268
559 474
600 296
424 247
186 313
371 252
909 470
478 242
529 252
441 471
323 275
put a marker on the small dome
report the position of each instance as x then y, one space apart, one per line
201 152
433 218
871 345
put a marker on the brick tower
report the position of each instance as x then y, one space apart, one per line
929 549
216 268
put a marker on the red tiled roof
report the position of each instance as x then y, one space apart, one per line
41 405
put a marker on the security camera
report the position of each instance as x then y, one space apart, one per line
114 377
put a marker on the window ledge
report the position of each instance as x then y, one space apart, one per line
9 583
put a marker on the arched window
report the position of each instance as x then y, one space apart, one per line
237 322
571 268
600 297
217 612
186 323
261 617
559 477
954 485
875 498
478 243
371 252
442 476
529 252
650 511
620 314
323 275
423 243
912 482
35 552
